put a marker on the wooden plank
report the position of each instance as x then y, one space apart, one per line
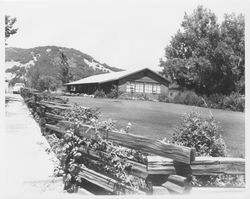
55 103
201 166
172 187
55 128
146 145
51 106
104 181
54 117
178 184
157 147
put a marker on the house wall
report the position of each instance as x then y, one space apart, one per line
143 77
108 86
84 88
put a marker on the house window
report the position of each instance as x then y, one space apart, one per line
156 88
130 87
148 88
139 87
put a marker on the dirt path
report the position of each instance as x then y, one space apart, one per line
28 169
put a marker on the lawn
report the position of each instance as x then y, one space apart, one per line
157 120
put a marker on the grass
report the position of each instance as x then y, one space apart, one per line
157 120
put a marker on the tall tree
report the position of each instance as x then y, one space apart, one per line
33 75
64 74
9 27
199 55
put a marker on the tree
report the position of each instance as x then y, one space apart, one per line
203 56
233 36
64 74
9 27
47 83
33 75
19 73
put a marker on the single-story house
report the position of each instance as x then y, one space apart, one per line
142 81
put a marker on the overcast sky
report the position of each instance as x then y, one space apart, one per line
122 33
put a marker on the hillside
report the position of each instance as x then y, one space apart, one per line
47 60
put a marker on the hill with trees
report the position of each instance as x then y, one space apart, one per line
51 65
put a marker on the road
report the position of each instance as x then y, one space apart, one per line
28 168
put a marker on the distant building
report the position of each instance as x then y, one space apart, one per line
143 81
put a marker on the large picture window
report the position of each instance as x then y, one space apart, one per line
139 87
143 87
148 88
156 88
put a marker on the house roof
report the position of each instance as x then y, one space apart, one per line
107 77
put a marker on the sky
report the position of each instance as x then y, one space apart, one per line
122 33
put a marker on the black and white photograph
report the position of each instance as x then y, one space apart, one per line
123 98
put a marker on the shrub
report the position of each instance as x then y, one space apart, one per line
142 96
203 134
188 98
99 94
234 102
164 98
200 133
114 93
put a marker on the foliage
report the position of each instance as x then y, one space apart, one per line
200 133
99 94
64 73
203 134
205 55
188 98
9 27
164 98
78 113
47 83
234 102
19 75
114 93
134 96
33 75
